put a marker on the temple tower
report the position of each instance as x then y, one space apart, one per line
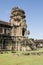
19 27
18 22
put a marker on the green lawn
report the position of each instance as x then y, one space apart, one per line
10 59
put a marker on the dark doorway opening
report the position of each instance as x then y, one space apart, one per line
23 31
4 44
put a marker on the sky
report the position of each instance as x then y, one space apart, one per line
33 11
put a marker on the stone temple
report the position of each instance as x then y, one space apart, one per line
13 34
19 27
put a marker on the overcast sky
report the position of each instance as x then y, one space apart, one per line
33 11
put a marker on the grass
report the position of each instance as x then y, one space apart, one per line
10 59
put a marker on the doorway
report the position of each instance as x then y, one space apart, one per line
4 44
23 31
